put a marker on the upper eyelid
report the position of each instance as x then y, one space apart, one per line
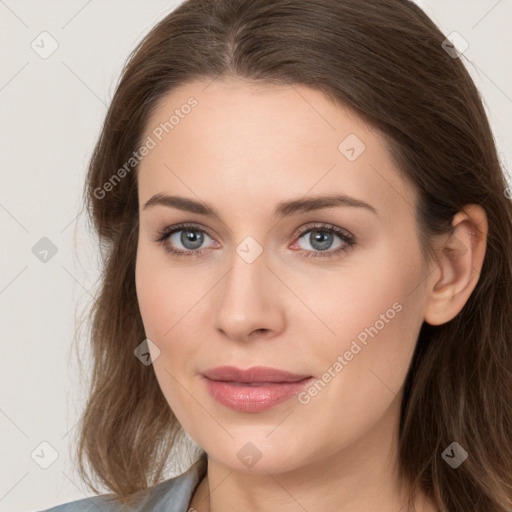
183 226
325 226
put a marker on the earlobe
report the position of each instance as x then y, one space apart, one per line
459 262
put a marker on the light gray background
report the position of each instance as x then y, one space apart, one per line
51 111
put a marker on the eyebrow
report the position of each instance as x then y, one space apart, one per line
283 209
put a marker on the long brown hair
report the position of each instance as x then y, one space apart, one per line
385 60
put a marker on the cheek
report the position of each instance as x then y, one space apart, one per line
373 321
164 301
170 300
155 293
365 364
368 298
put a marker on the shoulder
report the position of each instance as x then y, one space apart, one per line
172 495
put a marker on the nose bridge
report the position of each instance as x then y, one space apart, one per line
249 297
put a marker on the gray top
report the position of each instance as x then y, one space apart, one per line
172 495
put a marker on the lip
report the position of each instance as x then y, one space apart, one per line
259 374
254 389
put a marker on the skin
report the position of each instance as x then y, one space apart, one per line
243 149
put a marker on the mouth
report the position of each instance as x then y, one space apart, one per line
256 374
251 384
255 389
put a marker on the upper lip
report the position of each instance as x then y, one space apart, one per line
253 374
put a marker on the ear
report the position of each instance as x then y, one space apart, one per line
460 257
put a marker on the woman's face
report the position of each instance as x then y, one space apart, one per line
256 286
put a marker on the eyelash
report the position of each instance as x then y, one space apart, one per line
349 240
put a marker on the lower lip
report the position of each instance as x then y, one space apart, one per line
254 398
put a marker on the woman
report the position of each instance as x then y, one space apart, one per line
308 268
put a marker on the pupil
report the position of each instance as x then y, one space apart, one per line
321 238
191 239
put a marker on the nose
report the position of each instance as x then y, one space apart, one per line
251 300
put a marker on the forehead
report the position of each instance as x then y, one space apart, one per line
263 142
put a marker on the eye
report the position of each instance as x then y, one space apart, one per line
322 237
189 236
188 239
